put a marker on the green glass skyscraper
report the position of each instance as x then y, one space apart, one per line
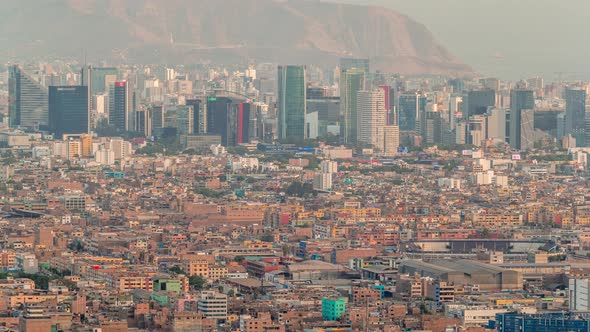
351 82
291 102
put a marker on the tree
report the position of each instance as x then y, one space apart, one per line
177 270
198 282
299 189
237 150
103 129
239 259
484 233
9 158
267 237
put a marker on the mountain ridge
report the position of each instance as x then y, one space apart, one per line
223 31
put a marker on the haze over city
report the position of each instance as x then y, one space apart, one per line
294 165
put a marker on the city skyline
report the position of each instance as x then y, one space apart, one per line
289 166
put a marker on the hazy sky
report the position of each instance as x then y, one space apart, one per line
508 38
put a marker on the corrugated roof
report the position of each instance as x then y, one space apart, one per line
421 265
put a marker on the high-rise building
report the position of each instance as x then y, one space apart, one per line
490 83
119 112
457 84
455 103
560 125
351 82
431 127
371 118
389 103
497 124
143 122
390 140
98 80
476 102
185 118
157 117
522 119
322 181
575 114
86 148
328 114
228 118
28 100
410 107
317 92
355 63
291 103
476 130
200 115
101 103
68 110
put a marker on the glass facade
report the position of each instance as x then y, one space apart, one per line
291 102
28 100
411 106
554 322
476 102
68 110
351 82
350 63
118 113
229 118
575 114
522 103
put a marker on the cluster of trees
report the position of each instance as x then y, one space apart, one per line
209 192
381 169
552 157
43 278
299 189
197 282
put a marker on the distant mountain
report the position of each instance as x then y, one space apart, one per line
167 31
509 39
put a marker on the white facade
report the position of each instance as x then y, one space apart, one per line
40 151
328 166
213 305
451 183
105 156
390 140
101 104
454 109
312 125
322 181
371 117
579 294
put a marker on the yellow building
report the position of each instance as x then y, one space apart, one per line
86 148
